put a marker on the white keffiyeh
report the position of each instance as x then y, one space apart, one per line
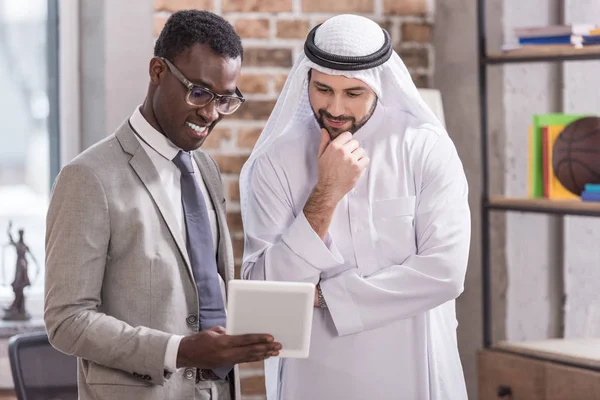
345 35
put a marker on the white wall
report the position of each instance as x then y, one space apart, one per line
533 258
116 47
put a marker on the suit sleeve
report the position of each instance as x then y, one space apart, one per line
429 278
77 242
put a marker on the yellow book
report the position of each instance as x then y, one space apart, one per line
555 189
530 163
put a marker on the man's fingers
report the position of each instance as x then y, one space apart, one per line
343 138
250 339
359 153
218 329
351 145
364 162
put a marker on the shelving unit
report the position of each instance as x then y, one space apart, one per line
498 203
560 368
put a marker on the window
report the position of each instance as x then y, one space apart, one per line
29 158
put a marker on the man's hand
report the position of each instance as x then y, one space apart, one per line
213 348
341 162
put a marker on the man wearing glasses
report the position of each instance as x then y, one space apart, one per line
137 245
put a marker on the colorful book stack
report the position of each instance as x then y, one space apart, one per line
570 35
593 38
543 131
591 192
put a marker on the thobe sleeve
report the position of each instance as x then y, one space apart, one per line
429 278
280 244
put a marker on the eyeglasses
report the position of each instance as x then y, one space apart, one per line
198 96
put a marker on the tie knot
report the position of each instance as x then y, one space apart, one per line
183 160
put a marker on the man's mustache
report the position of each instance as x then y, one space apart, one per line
325 114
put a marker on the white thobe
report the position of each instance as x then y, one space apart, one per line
393 262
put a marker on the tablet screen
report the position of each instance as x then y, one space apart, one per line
281 309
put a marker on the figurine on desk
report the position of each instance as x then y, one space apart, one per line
16 311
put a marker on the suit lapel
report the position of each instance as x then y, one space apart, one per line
213 183
145 170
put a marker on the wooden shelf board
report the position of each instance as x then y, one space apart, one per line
572 207
533 53
581 352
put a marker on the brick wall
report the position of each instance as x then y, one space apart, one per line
273 32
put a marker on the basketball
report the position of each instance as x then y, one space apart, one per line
576 154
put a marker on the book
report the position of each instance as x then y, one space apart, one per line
592 187
555 30
590 196
535 167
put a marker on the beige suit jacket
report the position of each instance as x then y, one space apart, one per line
118 277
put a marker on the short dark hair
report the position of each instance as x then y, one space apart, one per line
189 27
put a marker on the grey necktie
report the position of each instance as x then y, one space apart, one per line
201 250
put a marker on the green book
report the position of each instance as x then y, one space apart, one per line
536 178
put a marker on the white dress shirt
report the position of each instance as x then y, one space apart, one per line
161 152
393 263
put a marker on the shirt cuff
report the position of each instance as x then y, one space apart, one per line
304 242
344 312
171 353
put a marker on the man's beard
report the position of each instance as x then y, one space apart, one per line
354 126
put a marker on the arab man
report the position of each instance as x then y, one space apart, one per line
356 187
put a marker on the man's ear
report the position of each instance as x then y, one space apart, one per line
157 70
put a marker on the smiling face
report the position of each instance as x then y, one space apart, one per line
185 125
340 104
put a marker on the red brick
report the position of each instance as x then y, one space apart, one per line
158 24
292 28
252 28
176 5
414 57
255 110
230 164
238 248
247 137
234 222
256 5
336 6
261 57
416 32
279 83
253 83
405 7
420 80
254 385
237 269
216 138
253 366
234 190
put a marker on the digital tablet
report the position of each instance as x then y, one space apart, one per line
281 309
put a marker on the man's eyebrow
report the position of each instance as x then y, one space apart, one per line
201 83
352 89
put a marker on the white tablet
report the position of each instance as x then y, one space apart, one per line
281 309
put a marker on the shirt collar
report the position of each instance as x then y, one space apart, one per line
153 138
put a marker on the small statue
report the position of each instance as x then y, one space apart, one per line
16 311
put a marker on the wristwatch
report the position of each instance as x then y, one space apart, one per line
322 303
